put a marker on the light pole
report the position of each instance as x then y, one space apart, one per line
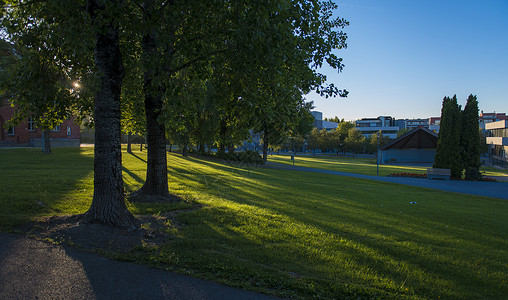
377 157
294 153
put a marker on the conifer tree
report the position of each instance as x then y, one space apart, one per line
470 139
449 150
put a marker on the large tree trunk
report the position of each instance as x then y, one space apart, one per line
108 204
184 150
129 142
156 184
46 141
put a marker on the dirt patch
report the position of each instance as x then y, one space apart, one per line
155 230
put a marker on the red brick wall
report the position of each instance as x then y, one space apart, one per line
22 135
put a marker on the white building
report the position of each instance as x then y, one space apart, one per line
386 124
498 141
319 123
416 123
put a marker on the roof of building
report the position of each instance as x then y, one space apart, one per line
418 138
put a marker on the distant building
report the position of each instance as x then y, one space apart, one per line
319 123
417 147
27 134
498 141
434 123
386 124
486 118
416 123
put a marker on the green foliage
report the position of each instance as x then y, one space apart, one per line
355 141
449 150
38 89
334 119
459 140
374 139
470 139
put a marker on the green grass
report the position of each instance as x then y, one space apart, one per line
491 171
290 233
365 166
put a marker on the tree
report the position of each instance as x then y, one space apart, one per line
374 139
354 141
41 91
334 119
175 36
108 203
314 139
449 150
470 139
64 29
38 78
342 133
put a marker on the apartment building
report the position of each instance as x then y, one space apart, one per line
386 124
498 141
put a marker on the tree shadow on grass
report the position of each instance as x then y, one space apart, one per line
377 245
39 185
141 159
133 175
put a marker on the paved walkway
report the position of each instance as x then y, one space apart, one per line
478 188
31 269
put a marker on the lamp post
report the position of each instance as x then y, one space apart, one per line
377 157
294 153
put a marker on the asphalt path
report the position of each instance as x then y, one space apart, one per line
477 188
31 269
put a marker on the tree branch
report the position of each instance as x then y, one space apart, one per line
195 60
23 4
167 3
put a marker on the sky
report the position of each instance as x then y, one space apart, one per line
404 56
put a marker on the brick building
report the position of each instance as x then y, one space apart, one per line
26 133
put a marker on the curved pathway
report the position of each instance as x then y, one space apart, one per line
31 269
478 188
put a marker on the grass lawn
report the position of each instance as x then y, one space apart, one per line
366 166
291 234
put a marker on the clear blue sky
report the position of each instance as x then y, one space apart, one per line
404 56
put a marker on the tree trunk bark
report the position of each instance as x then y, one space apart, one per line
129 142
108 203
265 146
47 142
156 184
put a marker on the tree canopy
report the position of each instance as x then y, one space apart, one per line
208 71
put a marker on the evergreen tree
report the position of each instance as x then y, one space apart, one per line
470 139
449 150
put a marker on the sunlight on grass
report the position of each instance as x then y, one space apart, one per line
291 234
365 166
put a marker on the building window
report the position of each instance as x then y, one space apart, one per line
68 130
31 124
10 130
56 129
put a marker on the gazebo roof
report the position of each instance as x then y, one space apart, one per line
418 138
